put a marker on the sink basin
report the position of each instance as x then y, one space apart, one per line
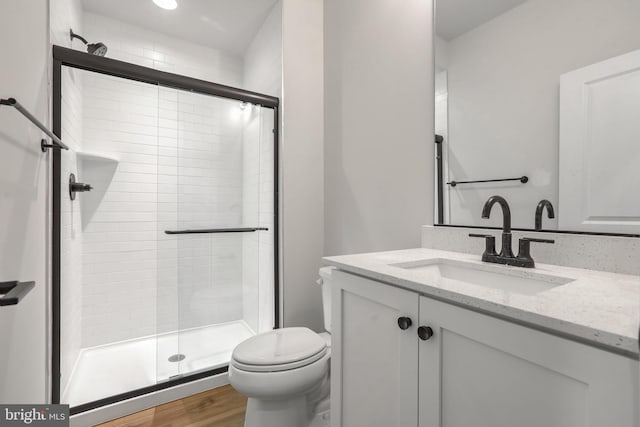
453 272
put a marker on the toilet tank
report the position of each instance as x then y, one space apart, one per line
325 282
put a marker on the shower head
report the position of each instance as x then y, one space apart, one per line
99 49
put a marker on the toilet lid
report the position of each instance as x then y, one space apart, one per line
287 346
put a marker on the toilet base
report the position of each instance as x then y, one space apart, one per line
277 413
322 419
287 413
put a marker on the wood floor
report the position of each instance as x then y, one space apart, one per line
221 407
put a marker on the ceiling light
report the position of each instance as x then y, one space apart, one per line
166 4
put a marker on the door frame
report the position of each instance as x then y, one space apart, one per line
83 61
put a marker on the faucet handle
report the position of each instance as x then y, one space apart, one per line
524 253
489 245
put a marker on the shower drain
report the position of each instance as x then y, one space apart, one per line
177 357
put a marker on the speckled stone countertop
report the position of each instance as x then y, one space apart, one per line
594 307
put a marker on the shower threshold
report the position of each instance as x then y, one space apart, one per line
120 367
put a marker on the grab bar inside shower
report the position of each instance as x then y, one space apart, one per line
217 230
11 102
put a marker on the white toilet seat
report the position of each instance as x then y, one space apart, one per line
279 350
281 366
279 384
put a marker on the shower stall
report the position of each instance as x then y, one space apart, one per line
165 227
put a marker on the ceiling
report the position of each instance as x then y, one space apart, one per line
456 17
229 25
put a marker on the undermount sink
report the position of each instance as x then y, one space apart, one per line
451 272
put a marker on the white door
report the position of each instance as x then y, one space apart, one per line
373 360
599 184
23 202
479 371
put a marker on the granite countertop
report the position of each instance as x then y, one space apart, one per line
594 307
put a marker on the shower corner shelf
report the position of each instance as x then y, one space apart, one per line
96 157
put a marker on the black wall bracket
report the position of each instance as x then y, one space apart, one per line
14 292
77 187
56 142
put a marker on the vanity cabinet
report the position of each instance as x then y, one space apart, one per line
474 370
374 379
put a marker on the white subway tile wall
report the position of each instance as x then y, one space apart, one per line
120 215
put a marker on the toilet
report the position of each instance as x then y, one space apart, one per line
285 372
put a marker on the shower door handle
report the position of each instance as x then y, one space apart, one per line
217 230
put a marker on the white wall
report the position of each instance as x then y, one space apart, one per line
263 58
441 53
302 171
503 97
24 192
378 124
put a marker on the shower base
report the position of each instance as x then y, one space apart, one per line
124 366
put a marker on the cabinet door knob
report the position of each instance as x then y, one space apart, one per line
425 332
404 322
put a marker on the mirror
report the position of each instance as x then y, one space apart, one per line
539 100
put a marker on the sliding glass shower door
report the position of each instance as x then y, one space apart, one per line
209 229
169 261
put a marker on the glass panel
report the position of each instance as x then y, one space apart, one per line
210 186
212 160
258 279
168 360
108 237
266 214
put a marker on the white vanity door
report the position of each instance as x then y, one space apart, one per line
373 362
480 371
599 184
